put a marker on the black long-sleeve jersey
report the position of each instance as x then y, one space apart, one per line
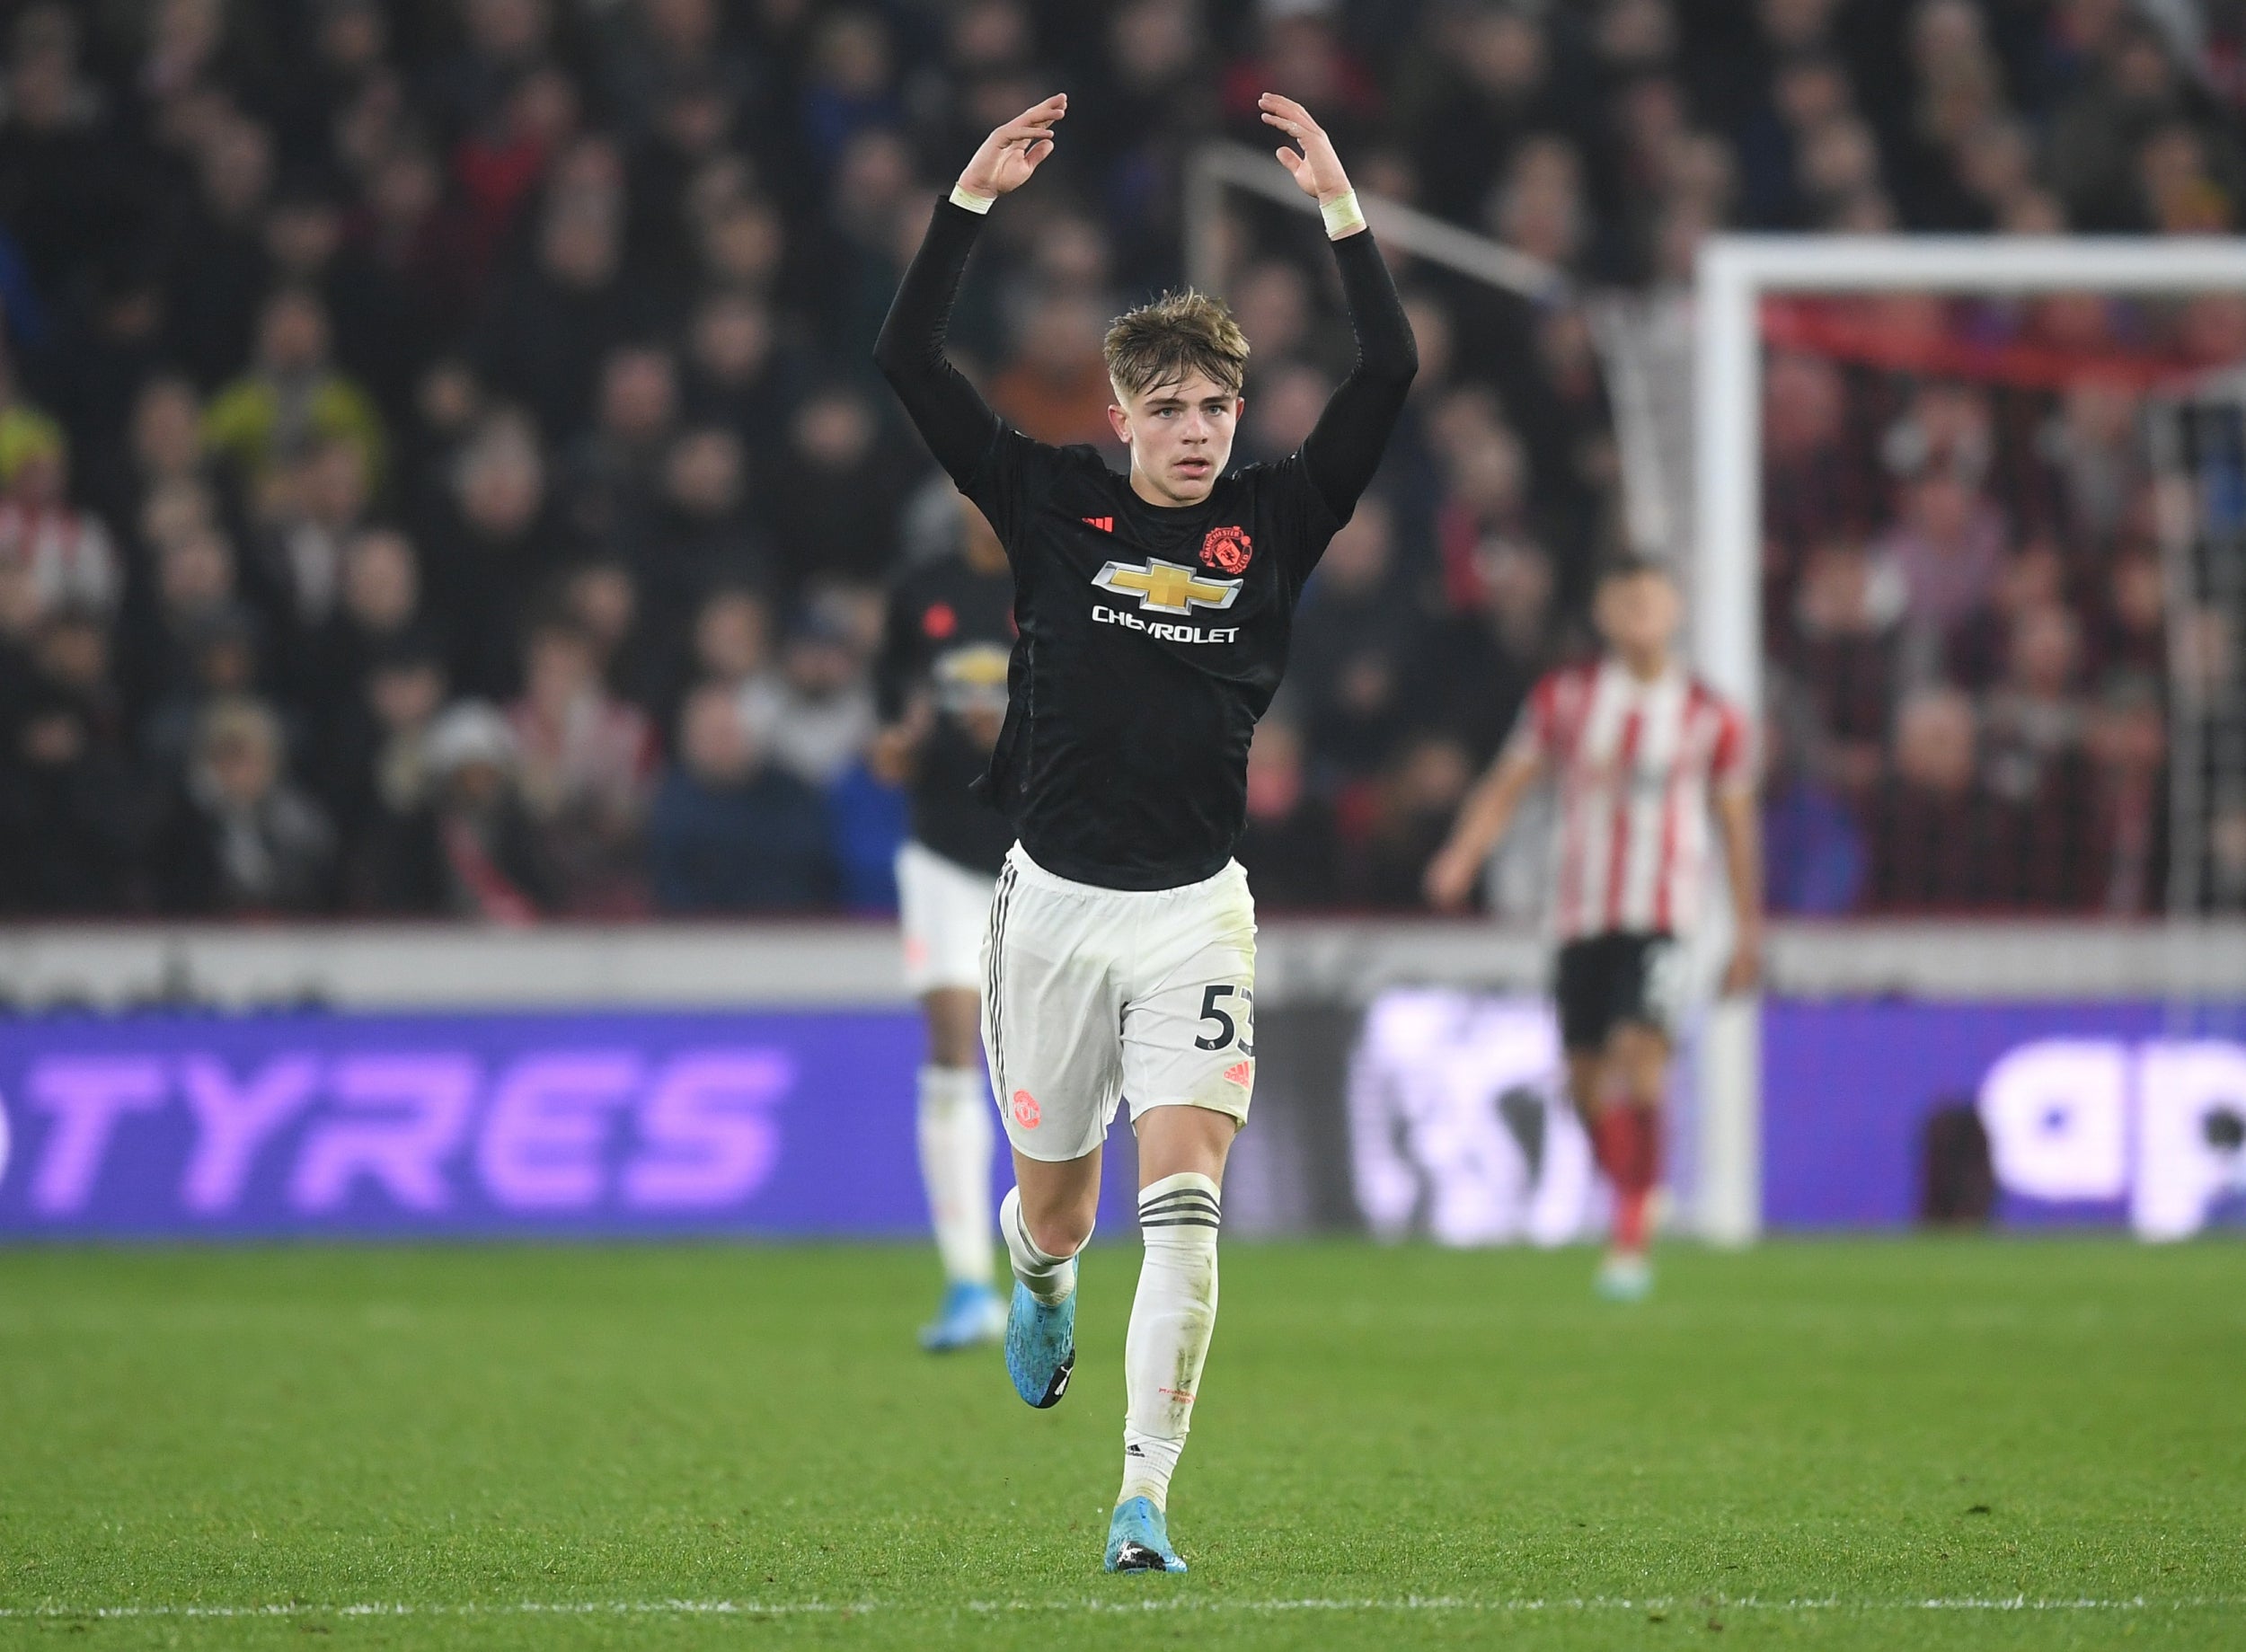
1151 637
950 636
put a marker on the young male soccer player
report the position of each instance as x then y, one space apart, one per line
1154 613
941 685
1641 750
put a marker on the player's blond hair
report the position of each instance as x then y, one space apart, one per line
1176 335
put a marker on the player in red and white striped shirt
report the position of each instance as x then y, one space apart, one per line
1643 754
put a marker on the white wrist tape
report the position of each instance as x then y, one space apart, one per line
981 203
1342 215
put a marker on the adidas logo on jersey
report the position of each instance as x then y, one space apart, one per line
1106 524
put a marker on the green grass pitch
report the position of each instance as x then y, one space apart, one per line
1906 1444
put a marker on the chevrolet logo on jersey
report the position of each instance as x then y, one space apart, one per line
971 678
1167 588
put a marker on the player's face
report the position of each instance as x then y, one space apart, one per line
1180 435
1637 616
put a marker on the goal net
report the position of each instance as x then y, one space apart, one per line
2197 433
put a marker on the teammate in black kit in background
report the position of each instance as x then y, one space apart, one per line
1155 611
941 687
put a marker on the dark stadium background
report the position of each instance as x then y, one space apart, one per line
457 1147
500 368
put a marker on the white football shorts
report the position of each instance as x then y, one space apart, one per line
1092 996
944 908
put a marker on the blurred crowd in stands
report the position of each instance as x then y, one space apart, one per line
1965 613
441 471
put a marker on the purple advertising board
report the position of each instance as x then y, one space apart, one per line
597 1124
2110 1114
2094 1113
530 1125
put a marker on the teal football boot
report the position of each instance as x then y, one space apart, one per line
1138 1539
1040 1346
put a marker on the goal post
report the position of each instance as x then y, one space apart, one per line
1634 350
1215 167
1648 509
1736 273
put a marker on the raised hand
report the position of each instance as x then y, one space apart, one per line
1315 167
1450 879
1744 974
1012 152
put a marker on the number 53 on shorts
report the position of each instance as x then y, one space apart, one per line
1193 1045
1227 1008
1096 997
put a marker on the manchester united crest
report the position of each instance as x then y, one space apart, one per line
1227 549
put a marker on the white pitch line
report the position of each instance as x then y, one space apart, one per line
1405 1603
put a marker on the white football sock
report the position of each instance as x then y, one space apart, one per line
955 1144
1048 1278
1171 1318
